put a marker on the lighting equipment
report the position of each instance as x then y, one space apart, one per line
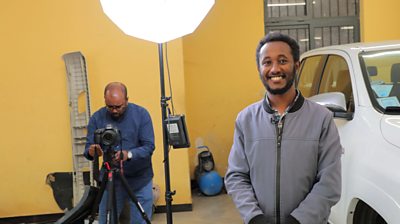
158 21
177 132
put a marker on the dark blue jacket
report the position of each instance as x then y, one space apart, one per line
137 136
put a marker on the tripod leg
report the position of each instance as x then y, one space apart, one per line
98 199
112 213
125 215
133 198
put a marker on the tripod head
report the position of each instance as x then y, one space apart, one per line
109 155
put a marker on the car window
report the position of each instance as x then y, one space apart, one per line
381 70
309 76
336 78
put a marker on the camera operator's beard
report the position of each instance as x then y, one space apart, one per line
117 115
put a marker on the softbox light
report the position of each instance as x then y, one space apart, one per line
157 21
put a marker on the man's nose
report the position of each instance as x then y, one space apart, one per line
275 68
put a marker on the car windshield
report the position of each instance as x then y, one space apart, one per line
382 76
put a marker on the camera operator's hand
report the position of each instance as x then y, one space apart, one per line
94 147
124 155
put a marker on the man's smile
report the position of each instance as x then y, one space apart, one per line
276 77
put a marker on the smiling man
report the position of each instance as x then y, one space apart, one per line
284 165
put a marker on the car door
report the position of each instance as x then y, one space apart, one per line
327 73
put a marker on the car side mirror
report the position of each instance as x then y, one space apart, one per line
335 102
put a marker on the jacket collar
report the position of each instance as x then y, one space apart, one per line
299 101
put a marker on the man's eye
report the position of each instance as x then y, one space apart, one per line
282 61
266 63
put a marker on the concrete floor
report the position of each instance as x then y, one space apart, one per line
216 209
212 209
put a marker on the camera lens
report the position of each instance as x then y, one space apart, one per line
109 137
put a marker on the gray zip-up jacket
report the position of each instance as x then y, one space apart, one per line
286 167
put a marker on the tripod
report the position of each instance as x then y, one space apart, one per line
109 181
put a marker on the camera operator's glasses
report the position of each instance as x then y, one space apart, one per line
116 107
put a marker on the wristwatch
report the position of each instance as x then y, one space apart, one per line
129 155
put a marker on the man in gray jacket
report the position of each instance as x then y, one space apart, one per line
284 165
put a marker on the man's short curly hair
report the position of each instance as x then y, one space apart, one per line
276 36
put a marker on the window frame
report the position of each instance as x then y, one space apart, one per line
278 23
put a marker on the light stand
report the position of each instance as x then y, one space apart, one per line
164 105
158 21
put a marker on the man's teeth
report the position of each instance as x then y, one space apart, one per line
276 78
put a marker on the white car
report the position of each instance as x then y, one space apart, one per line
360 84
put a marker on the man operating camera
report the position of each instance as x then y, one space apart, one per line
136 144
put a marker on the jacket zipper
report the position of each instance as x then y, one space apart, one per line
279 130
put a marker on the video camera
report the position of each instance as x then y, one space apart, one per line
107 137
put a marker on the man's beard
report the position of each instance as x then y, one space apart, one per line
115 116
283 90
